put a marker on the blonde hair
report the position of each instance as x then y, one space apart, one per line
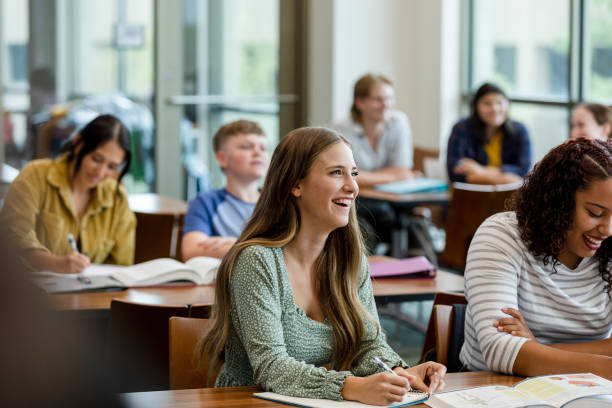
275 222
362 89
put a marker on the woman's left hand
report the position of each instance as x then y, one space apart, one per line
427 377
514 325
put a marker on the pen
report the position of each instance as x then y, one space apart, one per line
385 367
80 276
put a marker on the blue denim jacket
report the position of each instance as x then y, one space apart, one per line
516 155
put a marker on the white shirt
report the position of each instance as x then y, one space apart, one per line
394 146
566 306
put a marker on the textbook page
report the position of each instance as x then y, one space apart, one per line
410 398
556 390
550 390
206 267
494 396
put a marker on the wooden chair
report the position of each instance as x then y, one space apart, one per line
138 345
470 205
185 371
443 337
419 156
158 236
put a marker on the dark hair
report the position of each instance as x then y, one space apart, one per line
234 128
103 129
479 127
546 202
362 89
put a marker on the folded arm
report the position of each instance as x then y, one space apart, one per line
196 243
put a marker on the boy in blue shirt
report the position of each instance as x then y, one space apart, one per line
215 218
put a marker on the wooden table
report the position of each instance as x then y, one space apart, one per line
385 291
407 200
152 203
242 396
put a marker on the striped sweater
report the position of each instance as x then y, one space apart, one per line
567 306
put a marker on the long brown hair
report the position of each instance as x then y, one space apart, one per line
275 222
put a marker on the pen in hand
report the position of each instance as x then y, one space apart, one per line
80 277
385 367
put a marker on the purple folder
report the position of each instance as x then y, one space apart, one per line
416 267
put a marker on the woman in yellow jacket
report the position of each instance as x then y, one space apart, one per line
77 194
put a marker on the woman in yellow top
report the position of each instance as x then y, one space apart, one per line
487 147
79 194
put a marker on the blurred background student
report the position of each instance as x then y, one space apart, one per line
591 121
381 140
488 147
215 218
78 193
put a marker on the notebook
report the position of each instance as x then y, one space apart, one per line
410 398
415 267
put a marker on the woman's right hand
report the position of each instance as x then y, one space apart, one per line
73 263
376 389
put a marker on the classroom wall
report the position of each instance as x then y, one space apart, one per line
414 42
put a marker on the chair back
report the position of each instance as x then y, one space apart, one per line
158 236
442 337
185 368
469 206
419 156
449 323
138 345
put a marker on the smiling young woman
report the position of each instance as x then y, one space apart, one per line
547 265
294 310
80 194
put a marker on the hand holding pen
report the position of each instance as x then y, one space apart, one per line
427 377
75 261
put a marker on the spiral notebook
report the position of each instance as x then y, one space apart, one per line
410 398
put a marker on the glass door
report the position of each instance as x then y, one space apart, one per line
230 53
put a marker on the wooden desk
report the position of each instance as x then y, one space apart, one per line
158 295
242 396
407 200
151 203
385 291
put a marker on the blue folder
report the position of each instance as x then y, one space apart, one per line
417 185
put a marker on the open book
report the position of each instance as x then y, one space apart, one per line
200 270
415 267
562 390
410 398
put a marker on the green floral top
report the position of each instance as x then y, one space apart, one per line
274 344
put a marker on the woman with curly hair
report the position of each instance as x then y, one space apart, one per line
547 265
488 147
294 311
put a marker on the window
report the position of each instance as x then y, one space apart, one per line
547 55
